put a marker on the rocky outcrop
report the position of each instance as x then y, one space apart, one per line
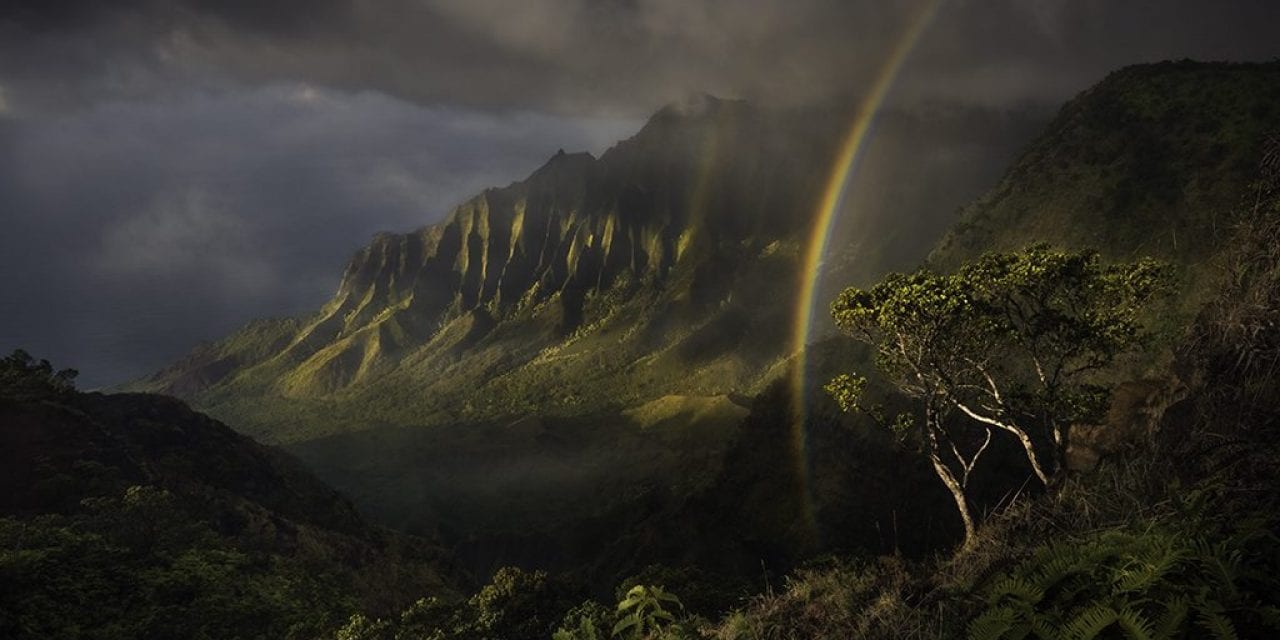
1132 421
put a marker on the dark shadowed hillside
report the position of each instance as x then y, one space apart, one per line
162 522
1153 160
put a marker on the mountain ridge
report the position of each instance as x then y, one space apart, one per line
672 218
1169 146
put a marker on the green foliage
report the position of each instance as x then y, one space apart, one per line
847 389
359 627
427 619
519 605
140 566
23 378
587 621
1011 343
1011 335
130 516
651 612
1152 584
702 592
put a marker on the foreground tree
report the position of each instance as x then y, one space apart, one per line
1011 343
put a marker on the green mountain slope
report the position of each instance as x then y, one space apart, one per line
157 521
668 266
593 283
1153 160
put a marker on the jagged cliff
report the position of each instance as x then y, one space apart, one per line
592 282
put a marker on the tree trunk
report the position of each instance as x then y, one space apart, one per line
1060 443
1018 432
1030 448
962 503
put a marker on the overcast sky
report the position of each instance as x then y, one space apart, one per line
170 169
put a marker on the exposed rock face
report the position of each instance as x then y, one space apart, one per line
647 252
1132 422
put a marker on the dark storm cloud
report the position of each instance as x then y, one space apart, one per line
1003 51
620 55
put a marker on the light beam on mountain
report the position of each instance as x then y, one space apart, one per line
810 274
700 195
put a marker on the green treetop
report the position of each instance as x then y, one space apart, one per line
1011 343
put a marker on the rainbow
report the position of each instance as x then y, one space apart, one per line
819 237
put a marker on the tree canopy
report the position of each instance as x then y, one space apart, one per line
1010 343
23 378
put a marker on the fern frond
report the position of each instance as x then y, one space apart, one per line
993 624
626 623
1223 565
1217 624
1015 588
1053 568
1089 623
1139 576
1046 628
1135 624
1174 616
667 597
1270 617
630 601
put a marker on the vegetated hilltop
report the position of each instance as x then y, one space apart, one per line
133 516
1153 160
